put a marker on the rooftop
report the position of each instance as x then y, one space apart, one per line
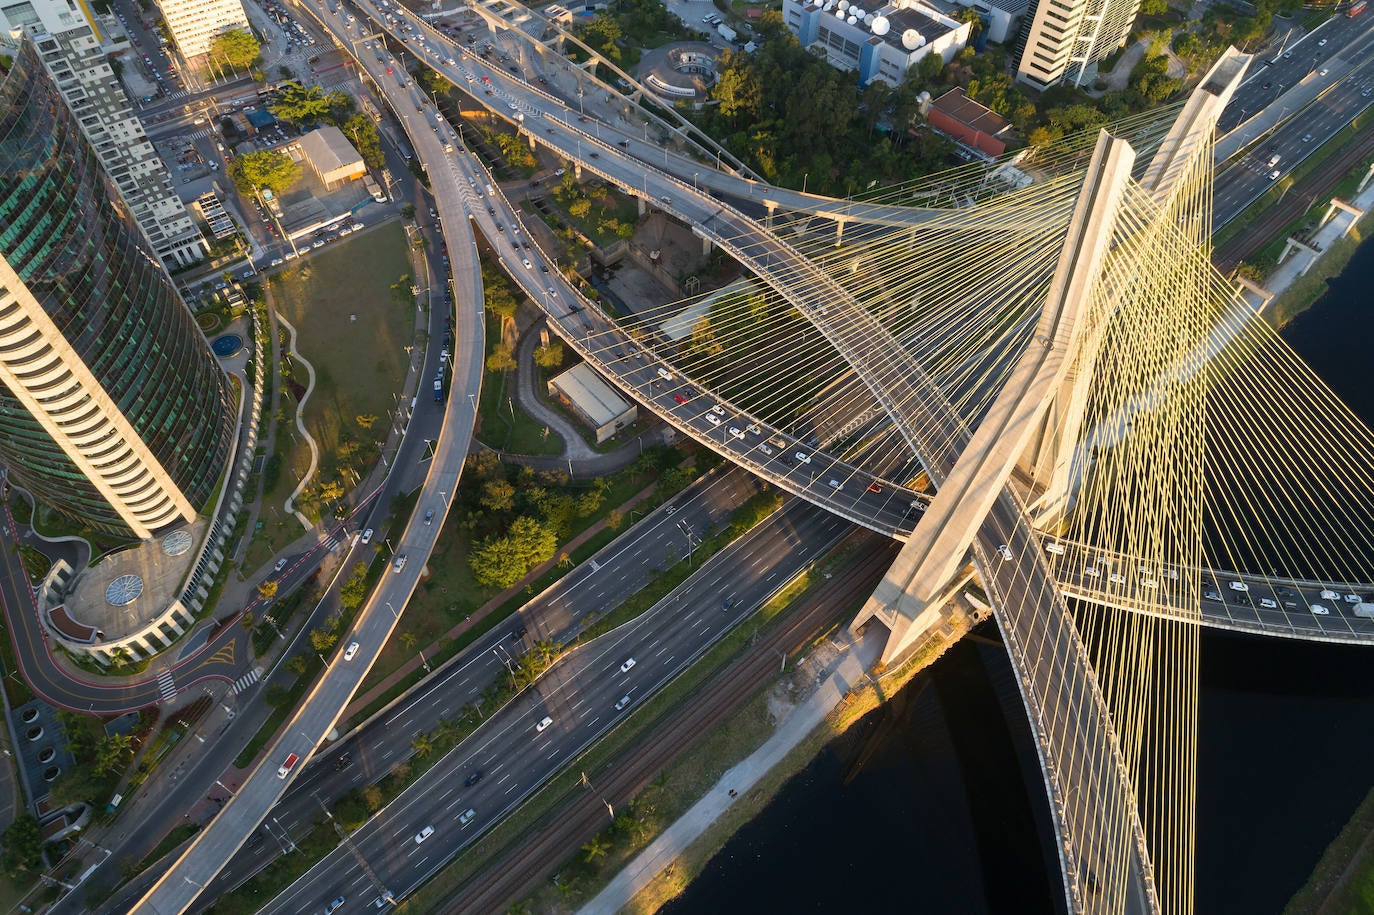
328 149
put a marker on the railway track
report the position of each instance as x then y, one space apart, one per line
531 858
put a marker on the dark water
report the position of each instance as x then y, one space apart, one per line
935 804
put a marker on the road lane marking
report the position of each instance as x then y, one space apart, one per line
512 788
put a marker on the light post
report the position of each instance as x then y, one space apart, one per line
807 175
394 614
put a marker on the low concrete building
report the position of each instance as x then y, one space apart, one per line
973 126
331 157
593 400
877 41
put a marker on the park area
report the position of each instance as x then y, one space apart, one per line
353 313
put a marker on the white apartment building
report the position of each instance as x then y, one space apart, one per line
195 23
877 41
70 42
1063 38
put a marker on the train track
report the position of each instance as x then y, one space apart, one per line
1299 199
530 858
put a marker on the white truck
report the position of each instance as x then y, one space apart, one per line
1365 610
726 32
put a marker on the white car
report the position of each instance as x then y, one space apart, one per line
466 817
629 663
624 701
803 457
423 834
526 262
1240 586
1352 598
1328 594
765 449
1320 610
1092 572
545 722
351 651
713 419
754 428
1149 583
367 536
1116 578
1005 552
835 485
1268 603
737 432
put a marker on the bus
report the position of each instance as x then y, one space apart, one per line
1356 8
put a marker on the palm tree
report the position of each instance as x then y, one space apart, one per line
423 745
596 848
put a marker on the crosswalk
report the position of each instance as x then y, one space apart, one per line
247 680
166 685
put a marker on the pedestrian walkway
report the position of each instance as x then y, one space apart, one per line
362 701
166 686
791 731
247 680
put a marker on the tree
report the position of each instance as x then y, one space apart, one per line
737 89
247 621
365 420
267 589
614 519
408 640
323 639
580 208
501 358
264 168
79 784
596 848
300 105
500 562
423 745
236 47
297 665
110 752
354 591
549 356
23 847
362 132
498 495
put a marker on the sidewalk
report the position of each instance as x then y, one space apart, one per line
361 702
736 781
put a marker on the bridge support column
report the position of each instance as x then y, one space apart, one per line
643 206
1368 176
705 246
1019 422
772 206
1338 205
839 231
1291 245
1256 294
577 170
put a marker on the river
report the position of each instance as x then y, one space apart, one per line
934 803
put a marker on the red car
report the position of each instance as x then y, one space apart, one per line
874 487
679 398
487 80
388 71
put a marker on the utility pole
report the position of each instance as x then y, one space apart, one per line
353 850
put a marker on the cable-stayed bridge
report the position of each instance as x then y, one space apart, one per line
1098 414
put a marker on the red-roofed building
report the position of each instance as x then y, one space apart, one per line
975 126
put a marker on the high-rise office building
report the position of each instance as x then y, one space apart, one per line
69 41
112 408
195 23
1062 38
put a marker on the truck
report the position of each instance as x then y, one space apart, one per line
726 32
438 390
287 765
1365 610
1355 9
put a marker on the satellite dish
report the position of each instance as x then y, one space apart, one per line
868 18
880 25
911 39
852 19
843 4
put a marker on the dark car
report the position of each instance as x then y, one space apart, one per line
472 779
518 634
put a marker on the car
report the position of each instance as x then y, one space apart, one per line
333 905
1287 55
1149 583
1307 138
836 485
1352 598
1320 610
1322 43
351 652
1056 549
1268 84
1005 552
526 262
1328 594
1210 594
1269 603
560 172
366 537
399 564
629 663
473 778
429 516
281 564
1092 571
500 227
1238 586
543 723
276 262
874 486
679 398
624 701
713 419
803 457
665 374
666 199
1116 578
765 449
287 765
1275 175
736 431
423 834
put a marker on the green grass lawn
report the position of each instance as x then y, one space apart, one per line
351 329
502 426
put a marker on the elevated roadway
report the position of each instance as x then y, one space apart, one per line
316 717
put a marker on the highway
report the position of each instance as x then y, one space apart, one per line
378 617
580 694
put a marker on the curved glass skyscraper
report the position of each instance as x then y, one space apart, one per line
112 409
